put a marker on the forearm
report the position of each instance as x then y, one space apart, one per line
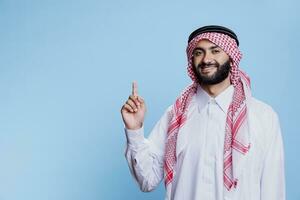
144 160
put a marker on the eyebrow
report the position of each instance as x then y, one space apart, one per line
210 48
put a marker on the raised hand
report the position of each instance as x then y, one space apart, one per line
134 109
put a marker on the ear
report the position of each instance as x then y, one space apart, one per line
231 62
192 61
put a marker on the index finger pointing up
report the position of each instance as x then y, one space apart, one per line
134 89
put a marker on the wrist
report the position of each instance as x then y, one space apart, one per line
135 127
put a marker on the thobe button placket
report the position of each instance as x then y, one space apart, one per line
211 102
210 155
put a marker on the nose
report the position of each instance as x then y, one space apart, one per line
207 59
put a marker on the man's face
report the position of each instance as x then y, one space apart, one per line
210 63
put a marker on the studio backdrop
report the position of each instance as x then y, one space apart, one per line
66 69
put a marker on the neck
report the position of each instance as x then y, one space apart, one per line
216 89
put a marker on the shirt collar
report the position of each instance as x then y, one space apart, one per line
223 100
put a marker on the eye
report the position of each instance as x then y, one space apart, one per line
215 51
197 53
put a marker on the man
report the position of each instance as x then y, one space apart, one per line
216 141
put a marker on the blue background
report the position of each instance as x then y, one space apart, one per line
66 68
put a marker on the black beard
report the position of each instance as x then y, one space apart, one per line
220 75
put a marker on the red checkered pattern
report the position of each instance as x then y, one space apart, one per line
236 115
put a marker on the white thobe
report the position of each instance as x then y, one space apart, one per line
199 152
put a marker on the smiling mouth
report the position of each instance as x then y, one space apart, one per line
207 69
208 66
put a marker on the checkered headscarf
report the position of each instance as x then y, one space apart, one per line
236 142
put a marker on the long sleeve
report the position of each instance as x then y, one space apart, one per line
273 178
145 156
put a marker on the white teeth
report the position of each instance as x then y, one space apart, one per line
208 66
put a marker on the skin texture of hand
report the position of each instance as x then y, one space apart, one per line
134 109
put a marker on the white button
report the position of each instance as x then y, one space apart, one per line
212 100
